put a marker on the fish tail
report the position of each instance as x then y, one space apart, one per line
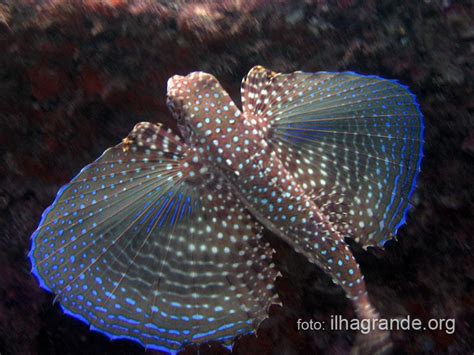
326 248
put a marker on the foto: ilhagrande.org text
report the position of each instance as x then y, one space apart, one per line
337 322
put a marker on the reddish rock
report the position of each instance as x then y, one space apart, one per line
46 82
90 80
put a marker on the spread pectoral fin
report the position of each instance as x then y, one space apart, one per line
146 243
356 137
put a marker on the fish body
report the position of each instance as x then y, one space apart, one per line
236 147
160 239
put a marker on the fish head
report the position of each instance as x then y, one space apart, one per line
193 99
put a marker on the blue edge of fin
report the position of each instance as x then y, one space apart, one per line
78 316
422 130
42 284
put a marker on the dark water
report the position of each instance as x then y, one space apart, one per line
75 79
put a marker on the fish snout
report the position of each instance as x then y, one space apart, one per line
174 83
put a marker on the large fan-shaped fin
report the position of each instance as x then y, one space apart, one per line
146 243
354 142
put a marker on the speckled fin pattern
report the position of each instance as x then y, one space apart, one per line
354 143
147 244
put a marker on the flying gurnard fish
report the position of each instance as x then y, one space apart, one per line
160 239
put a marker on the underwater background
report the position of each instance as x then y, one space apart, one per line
76 76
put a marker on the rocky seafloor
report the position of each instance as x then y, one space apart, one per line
75 76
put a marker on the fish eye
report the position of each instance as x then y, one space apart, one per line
170 104
176 112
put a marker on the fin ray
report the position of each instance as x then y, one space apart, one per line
347 135
138 248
